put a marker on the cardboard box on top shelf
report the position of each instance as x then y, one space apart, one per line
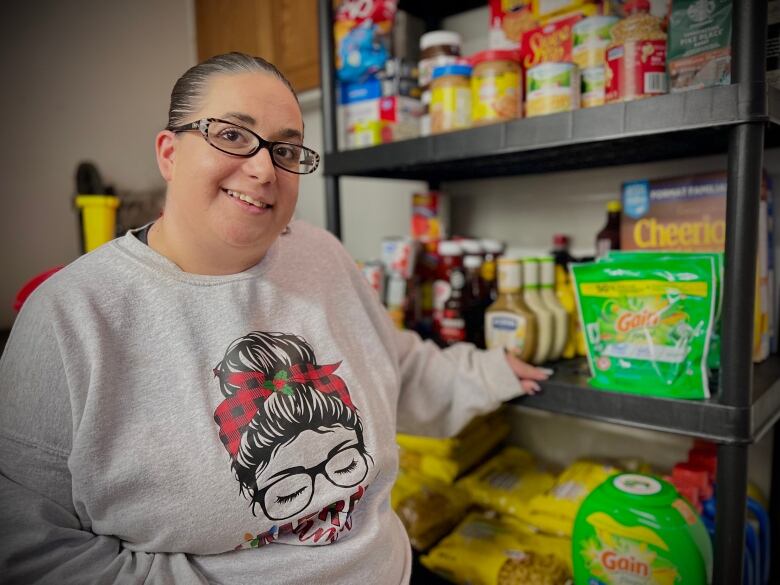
689 214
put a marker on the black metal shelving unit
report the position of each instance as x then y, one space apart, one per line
740 119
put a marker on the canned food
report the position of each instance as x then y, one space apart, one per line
635 70
591 37
551 88
593 86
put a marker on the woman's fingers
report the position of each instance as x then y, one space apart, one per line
530 387
526 371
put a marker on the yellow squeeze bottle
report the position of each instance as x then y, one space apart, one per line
544 316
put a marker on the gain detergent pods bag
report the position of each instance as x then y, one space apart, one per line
648 324
713 356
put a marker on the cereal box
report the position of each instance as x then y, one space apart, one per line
552 42
509 19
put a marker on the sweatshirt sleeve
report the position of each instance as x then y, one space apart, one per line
442 390
44 539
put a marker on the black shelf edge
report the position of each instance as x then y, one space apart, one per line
659 128
568 393
435 10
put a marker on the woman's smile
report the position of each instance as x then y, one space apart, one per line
250 204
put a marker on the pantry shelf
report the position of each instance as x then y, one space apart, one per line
660 128
568 392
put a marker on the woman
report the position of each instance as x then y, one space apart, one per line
220 348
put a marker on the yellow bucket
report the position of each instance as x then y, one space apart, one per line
98 213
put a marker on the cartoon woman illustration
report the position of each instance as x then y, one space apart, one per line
289 425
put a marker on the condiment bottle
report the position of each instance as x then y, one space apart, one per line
560 316
453 323
493 249
396 298
544 316
608 237
476 300
509 323
560 251
450 256
575 341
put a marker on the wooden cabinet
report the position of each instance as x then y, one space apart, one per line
284 33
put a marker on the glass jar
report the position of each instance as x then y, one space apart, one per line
496 93
450 98
437 48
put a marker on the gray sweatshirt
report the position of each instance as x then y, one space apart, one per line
162 427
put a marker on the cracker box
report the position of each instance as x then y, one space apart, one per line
689 214
509 19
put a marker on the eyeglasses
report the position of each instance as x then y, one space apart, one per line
292 493
233 139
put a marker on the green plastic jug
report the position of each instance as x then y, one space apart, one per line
635 529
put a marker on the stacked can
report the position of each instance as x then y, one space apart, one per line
591 37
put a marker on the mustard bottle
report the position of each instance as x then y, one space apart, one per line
544 316
509 323
575 344
560 316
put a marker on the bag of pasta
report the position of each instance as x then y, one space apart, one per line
485 550
506 482
428 508
554 511
447 458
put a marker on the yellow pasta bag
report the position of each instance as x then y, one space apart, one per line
555 510
428 508
494 551
507 482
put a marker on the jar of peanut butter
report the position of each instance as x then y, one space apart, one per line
450 98
496 92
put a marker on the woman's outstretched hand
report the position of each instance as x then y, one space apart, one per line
528 375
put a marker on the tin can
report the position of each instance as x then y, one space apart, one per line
399 255
635 70
374 272
591 37
551 88
593 86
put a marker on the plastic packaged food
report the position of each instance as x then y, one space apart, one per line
551 88
648 324
450 98
509 323
497 551
506 482
427 507
636 58
496 92
545 318
437 48
554 511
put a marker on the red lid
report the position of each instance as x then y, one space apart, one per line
494 55
560 240
633 6
31 285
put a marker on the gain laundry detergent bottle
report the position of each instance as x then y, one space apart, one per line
635 529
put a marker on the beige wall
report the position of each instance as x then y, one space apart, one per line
82 80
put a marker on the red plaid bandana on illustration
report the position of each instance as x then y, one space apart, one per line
234 414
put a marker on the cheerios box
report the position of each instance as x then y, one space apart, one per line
689 214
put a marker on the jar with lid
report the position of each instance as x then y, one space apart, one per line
437 48
450 98
636 57
450 258
496 91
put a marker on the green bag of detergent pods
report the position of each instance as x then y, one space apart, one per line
713 356
648 323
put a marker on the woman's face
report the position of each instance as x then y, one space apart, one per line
204 184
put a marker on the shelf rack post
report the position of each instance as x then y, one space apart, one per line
329 107
745 163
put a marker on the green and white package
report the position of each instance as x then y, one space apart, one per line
713 356
648 323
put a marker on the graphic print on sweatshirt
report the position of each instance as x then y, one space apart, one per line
294 437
